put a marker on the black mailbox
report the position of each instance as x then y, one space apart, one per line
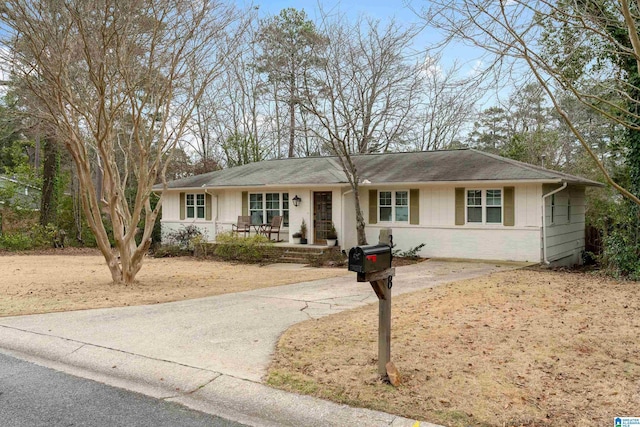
369 259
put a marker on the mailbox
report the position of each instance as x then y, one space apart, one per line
369 259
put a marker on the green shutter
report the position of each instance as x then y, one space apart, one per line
245 203
509 206
373 206
459 206
414 215
183 204
207 207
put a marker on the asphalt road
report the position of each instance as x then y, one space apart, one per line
32 396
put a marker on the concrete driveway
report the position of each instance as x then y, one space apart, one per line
214 349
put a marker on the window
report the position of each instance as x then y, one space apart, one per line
393 206
273 205
195 206
256 209
484 206
402 206
569 211
474 206
553 208
264 206
494 206
385 205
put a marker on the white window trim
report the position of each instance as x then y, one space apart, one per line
393 206
195 206
281 210
484 206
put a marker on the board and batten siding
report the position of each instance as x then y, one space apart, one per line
171 221
565 236
444 239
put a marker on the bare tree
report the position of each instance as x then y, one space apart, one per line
367 90
447 102
562 43
113 79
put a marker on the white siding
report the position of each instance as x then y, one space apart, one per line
171 216
437 229
442 238
462 242
227 206
565 236
171 206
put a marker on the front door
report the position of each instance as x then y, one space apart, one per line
321 216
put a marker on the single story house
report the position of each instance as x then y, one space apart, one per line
459 203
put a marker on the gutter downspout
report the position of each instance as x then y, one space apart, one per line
544 221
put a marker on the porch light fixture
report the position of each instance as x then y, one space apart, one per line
296 200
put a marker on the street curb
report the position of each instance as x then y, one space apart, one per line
233 398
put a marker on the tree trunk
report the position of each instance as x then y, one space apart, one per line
360 224
292 114
49 200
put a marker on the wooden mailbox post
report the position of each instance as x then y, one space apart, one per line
381 282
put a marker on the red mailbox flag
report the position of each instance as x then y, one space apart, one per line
372 258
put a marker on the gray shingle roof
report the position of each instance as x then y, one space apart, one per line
424 166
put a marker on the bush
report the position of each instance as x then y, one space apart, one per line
17 241
621 244
37 237
230 246
621 255
183 237
169 251
411 253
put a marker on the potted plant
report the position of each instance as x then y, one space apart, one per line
297 236
332 236
303 232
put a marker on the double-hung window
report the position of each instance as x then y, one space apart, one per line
484 206
195 206
393 206
256 208
264 206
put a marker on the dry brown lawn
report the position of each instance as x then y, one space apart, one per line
32 284
519 348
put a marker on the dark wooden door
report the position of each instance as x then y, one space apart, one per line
322 219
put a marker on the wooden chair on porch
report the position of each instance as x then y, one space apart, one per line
273 228
243 225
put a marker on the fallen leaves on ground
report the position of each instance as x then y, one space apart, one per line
32 284
519 348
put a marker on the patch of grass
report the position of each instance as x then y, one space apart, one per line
456 417
292 382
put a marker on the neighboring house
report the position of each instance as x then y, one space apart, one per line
23 201
24 196
459 203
